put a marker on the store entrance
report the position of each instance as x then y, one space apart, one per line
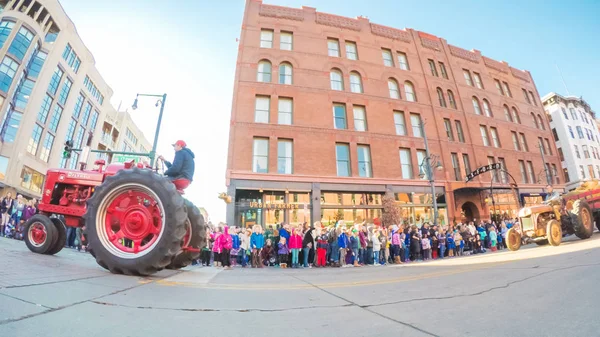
470 211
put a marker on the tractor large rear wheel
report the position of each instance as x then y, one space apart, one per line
513 239
61 236
584 225
135 222
40 234
195 237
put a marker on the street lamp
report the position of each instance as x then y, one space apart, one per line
426 169
548 180
161 101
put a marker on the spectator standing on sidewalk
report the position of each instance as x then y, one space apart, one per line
322 249
342 244
376 247
283 252
257 242
442 242
244 246
354 244
295 245
5 208
308 243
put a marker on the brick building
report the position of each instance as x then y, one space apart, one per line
327 113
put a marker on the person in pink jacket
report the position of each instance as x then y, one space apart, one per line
216 247
295 245
225 243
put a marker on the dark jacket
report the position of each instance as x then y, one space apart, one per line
183 165
308 238
6 205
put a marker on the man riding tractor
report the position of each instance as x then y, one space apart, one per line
181 171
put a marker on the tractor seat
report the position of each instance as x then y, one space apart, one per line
181 184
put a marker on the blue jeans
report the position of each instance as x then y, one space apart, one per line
376 257
244 257
355 257
306 252
295 256
406 254
369 255
442 251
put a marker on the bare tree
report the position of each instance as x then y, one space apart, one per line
391 211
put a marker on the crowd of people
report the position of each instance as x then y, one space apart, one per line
15 212
344 246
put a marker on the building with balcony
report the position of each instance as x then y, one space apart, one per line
575 131
120 133
327 115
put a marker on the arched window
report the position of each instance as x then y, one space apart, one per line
441 98
336 79
476 106
515 115
507 114
285 73
355 82
535 122
541 122
451 100
393 87
409 92
487 109
264 71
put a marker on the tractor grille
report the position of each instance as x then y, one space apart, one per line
526 224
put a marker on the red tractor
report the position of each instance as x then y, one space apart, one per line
135 220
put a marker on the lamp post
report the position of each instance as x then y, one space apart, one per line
426 170
161 100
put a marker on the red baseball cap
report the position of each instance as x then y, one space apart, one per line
180 143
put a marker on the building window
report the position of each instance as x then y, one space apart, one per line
571 131
566 174
94 120
515 141
564 112
523 172
36 64
503 174
526 97
53 125
32 179
561 155
535 123
499 87
5 30
399 122
532 98
455 166
507 115
573 114
441 98
548 146
64 91
285 73
433 68
448 127
284 156
506 89
355 82
467 76
579 132
459 131
421 154
451 100
285 40
466 163
592 173
8 68
581 172
284 115
476 106
336 80
531 173
409 92
388 60
34 140
406 164
364 161
541 122
46 147
339 116
264 71
266 38
478 82
42 116
586 153
403 61
360 118
21 43
493 173
577 151
443 70
515 116
484 135
351 51
393 88
342 156
23 93
487 109
415 121
495 138
333 47
261 109
86 114
55 81
260 160
524 146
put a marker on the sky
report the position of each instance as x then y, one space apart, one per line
188 49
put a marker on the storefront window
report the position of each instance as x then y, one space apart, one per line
3 167
340 199
32 179
350 216
417 208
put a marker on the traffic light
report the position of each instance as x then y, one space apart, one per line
68 149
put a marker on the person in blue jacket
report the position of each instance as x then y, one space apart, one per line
257 242
343 245
183 165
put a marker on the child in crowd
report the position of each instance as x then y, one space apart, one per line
426 244
442 243
451 244
322 249
244 246
397 253
493 239
268 254
284 251
376 247
257 242
295 245
235 246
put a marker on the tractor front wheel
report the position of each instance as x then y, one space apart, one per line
584 225
554 233
195 238
40 234
513 239
61 236
135 222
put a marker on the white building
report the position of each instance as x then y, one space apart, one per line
120 133
575 131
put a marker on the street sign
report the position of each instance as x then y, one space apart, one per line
121 158
483 169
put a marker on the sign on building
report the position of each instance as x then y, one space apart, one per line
483 169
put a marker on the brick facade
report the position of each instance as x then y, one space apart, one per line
312 129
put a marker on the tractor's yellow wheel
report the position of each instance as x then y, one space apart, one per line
513 239
554 233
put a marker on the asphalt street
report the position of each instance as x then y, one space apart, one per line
537 291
